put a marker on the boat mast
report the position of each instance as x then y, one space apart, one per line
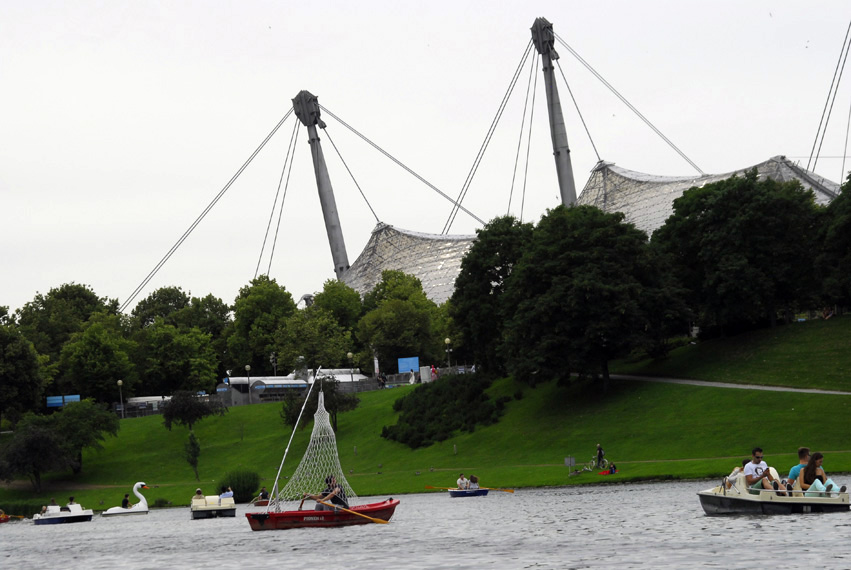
306 107
543 38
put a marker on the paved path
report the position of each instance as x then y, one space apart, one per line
727 385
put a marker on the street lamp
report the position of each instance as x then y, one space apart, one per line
273 360
248 373
121 396
448 342
351 370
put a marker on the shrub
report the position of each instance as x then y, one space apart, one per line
244 484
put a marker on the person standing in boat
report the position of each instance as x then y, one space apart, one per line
125 502
814 480
333 494
462 482
759 475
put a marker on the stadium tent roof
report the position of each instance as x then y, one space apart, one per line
434 259
647 200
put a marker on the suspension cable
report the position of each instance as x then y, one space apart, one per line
275 202
281 210
399 163
833 82
466 186
578 112
203 214
528 147
628 104
832 101
352 176
520 138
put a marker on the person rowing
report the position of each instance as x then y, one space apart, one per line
333 493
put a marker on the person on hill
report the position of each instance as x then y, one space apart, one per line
198 495
803 459
738 471
462 482
758 474
474 482
613 469
333 493
125 502
814 480
600 455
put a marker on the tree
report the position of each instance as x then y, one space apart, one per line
576 294
211 316
476 306
834 260
21 376
314 334
743 247
82 425
398 285
35 449
48 321
96 358
164 302
191 451
185 408
398 329
171 359
341 301
336 401
259 311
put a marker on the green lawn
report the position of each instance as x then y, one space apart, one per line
650 430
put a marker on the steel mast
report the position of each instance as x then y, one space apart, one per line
543 38
306 107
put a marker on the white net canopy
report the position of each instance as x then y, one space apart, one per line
320 460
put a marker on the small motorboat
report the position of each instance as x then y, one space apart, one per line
67 514
455 493
140 508
359 514
212 506
739 499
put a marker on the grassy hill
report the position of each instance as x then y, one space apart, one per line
650 430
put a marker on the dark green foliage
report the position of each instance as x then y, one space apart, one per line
243 482
335 402
434 411
834 263
185 408
21 375
35 449
163 303
191 451
82 425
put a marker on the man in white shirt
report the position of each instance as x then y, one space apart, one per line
758 473
462 482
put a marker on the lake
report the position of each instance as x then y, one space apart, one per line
647 525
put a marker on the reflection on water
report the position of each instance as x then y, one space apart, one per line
653 525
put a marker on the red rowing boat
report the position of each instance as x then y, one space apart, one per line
359 514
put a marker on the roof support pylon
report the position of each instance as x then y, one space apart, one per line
306 107
544 40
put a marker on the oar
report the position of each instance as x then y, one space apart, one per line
446 488
503 490
16 516
380 521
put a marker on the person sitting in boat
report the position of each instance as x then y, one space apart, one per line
226 492
71 501
462 482
264 494
803 459
738 471
125 502
52 504
474 482
333 493
198 495
758 474
813 479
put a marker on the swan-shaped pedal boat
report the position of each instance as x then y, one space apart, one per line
140 508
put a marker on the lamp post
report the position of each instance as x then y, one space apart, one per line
448 342
248 373
273 360
121 396
351 369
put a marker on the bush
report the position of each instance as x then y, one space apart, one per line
244 483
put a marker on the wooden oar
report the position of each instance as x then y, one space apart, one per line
503 490
16 516
379 521
446 488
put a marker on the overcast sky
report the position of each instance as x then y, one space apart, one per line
121 121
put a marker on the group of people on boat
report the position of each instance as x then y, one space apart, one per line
808 474
470 484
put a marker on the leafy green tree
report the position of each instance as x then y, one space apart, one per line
834 260
21 377
259 311
164 302
48 321
397 285
82 425
343 302
576 293
171 359
35 449
192 451
743 247
315 334
336 401
212 316
185 408
398 329
97 357
477 303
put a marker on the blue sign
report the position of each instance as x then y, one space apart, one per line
409 364
59 401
